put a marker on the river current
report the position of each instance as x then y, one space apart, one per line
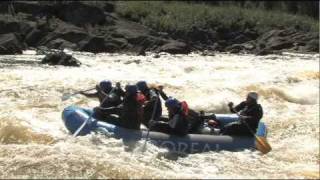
35 144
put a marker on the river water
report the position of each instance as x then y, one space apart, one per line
35 144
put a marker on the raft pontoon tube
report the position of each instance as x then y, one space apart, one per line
74 117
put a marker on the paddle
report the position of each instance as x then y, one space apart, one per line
66 96
81 127
262 144
152 118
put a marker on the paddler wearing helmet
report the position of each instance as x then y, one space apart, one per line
152 100
177 122
107 94
130 111
250 113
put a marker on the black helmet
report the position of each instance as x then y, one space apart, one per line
105 85
142 86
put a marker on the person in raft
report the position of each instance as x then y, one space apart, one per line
129 112
195 119
108 96
151 99
176 123
250 113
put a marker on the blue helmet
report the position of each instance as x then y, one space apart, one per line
172 103
142 86
131 89
105 85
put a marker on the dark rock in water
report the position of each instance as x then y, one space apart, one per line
156 56
60 58
175 47
43 50
10 44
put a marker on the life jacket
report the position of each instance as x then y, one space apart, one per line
185 108
141 99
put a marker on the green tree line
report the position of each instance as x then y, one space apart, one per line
308 8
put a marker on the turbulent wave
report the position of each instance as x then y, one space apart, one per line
302 94
13 132
35 144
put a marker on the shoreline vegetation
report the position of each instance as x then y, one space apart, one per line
181 16
175 27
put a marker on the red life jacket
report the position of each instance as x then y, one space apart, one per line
185 108
141 98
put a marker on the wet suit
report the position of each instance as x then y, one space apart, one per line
255 113
194 118
113 98
100 94
152 97
129 111
175 124
107 99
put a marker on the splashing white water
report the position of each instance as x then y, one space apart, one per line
35 144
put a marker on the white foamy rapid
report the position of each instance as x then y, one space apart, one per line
35 144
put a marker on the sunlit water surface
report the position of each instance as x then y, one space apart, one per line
35 144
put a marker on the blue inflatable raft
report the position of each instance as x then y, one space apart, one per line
74 117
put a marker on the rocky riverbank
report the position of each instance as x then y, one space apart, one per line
96 27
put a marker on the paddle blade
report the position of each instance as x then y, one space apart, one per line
263 145
66 97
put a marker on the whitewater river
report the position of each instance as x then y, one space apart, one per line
35 144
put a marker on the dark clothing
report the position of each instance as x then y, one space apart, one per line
114 98
253 110
255 113
176 124
152 97
163 95
236 128
195 121
193 118
107 99
129 112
